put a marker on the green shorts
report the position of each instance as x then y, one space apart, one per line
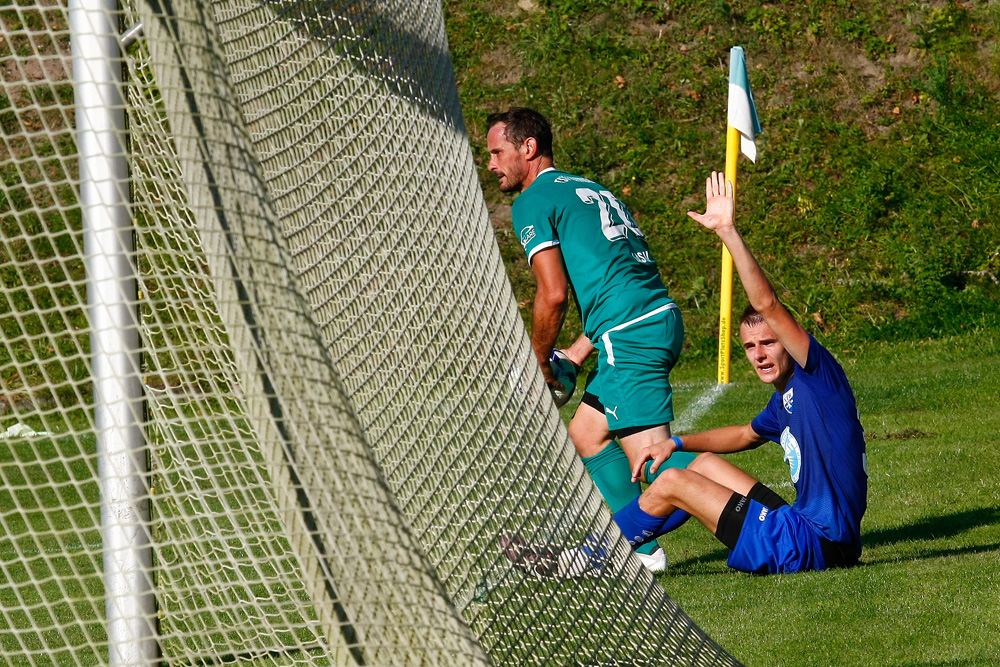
632 378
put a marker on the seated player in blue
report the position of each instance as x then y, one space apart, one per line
812 415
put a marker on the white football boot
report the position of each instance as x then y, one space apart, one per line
586 560
654 562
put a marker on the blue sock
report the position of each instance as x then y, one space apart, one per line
640 527
612 474
677 518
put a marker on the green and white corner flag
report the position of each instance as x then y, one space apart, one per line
742 112
742 128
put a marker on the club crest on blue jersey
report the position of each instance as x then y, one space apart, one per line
793 454
786 400
527 234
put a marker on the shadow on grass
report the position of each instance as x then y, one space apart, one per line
958 662
932 530
713 562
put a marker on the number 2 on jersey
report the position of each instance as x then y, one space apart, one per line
616 222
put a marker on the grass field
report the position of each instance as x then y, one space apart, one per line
871 208
927 591
926 594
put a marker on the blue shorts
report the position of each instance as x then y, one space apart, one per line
776 541
632 378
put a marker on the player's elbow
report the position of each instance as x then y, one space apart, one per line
768 305
552 298
750 439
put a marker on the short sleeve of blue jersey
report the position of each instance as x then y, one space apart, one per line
823 366
533 220
766 424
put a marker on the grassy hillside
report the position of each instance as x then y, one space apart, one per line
872 201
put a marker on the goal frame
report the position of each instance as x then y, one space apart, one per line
114 336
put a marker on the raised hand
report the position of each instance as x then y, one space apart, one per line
719 203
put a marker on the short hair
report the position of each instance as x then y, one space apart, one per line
751 317
522 123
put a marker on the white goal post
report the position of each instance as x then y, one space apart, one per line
114 337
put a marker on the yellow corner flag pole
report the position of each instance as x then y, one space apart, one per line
726 296
741 128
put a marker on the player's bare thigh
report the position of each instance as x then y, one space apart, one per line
589 431
722 472
590 434
633 442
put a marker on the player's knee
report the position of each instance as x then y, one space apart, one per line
704 461
577 433
667 483
585 440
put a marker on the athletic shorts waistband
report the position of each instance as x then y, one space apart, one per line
606 336
624 325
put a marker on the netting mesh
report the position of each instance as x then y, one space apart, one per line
342 412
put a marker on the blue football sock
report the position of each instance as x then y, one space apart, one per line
612 474
675 520
640 527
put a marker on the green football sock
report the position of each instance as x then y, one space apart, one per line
676 460
612 474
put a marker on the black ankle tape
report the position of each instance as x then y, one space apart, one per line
766 496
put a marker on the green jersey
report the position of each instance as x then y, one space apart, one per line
606 257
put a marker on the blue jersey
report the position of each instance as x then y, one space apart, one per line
815 420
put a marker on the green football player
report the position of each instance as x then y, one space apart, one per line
578 235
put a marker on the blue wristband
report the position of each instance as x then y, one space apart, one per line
677 441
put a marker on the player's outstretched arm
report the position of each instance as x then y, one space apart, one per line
718 217
724 440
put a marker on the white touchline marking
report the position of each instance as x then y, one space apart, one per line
10 553
696 410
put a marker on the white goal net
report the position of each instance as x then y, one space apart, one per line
265 395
